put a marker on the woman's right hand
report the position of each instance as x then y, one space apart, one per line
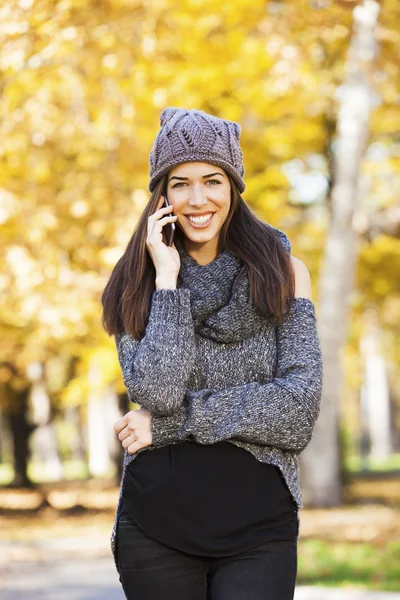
165 258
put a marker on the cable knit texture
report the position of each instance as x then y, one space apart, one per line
209 368
194 135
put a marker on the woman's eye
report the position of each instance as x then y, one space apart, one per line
209 180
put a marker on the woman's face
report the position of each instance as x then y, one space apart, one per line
201 191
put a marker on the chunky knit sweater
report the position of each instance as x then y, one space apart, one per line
209 368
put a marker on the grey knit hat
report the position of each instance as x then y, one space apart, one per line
193 135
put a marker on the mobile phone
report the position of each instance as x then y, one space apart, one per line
169 228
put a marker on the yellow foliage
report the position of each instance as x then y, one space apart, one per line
82 87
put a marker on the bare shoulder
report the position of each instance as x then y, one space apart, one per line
302 279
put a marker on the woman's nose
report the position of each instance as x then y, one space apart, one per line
197 197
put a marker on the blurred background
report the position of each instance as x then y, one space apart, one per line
315 87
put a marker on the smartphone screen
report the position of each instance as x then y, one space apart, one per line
169 228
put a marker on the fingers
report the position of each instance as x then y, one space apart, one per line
134 448
134 430
161 211
137 445
128 441
120 424
165 220
132 444
157 225
124 428
126 432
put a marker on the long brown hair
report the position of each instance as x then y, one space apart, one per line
126 299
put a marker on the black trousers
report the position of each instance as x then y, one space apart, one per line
150 570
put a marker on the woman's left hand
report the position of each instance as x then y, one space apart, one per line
134 430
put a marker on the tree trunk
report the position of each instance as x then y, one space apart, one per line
76 441
21 431
14 393
375 393
320 462
44 442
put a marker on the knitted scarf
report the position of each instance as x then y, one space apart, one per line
226 315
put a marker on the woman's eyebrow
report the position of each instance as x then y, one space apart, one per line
204 176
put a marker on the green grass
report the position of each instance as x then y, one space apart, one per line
349 564
392 463
72 470
6 474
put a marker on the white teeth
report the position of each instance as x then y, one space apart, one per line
201 220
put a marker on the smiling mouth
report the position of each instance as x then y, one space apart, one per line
200 222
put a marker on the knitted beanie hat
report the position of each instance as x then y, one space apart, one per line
193 135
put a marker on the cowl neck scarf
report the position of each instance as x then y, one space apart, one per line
219 296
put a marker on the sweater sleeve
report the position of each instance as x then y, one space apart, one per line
281 412
156 369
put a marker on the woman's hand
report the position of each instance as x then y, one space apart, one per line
134 430
165 258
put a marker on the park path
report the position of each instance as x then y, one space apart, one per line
88 579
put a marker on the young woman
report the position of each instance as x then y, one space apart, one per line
217 341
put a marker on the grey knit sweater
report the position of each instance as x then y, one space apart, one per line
209 368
